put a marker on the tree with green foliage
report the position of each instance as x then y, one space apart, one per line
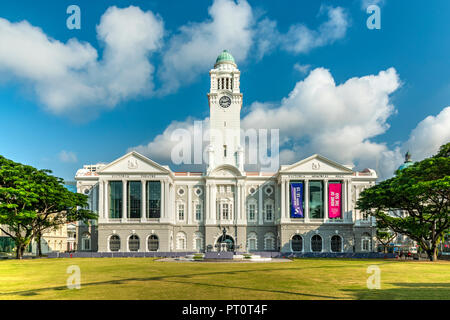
422 192
33 201
384 234
58 206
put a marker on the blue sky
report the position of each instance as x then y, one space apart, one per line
413 39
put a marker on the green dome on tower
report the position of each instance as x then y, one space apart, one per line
225 56
407 163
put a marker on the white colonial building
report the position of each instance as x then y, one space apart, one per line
308 206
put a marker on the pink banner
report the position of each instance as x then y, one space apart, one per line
334 200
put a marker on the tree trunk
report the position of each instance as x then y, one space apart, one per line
19 251
38 245
432 253
435 251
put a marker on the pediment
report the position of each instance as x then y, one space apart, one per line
226 171
317 164
133 162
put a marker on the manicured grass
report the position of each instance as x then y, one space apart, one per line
144 278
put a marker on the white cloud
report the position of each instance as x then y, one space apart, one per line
267 37
301 39
194 49
160 148
67 156
337 121
432 132
66 76
340 122
233 26
302 68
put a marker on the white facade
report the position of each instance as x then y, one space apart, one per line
145 206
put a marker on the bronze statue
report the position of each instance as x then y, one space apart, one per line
224 234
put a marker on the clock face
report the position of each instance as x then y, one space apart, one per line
225 102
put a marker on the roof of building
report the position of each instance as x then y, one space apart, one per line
225 56
405 165
407 162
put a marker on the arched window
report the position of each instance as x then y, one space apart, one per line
336 244
114 243
86 241
181 241
252 241
153 243
133 243
198 241
316 243
269 241
297 243
366 242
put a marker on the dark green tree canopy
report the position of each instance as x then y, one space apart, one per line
33 201
422 191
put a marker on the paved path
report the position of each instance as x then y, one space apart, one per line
225 261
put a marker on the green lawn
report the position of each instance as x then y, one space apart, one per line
144 278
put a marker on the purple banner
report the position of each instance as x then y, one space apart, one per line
297 200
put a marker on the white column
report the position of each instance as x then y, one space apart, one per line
207 209
287 204
189 204
213 203
167 204
260 204
171 207
283 199
325 201
306 192
238 210
101 200
344 201
350 211
143 201
124 201
106 190
243 205
163 200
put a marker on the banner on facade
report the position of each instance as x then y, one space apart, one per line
297 200
334 200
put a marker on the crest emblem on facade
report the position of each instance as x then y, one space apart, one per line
315 166
132 164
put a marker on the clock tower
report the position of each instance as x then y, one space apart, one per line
225 103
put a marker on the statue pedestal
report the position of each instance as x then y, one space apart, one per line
215 256
223 247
